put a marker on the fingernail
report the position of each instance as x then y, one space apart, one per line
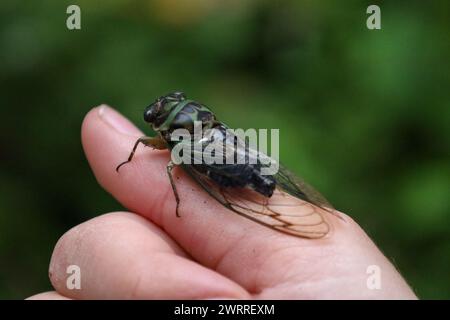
117 121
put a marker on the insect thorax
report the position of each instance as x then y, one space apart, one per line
183 115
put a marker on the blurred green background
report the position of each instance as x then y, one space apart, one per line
363 115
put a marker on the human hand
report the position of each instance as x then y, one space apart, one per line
209 252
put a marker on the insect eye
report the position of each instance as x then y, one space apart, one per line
150 113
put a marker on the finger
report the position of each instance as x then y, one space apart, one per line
124 256
266 263
49 295
206 229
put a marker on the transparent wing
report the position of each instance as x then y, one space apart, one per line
295 207
282 212
297 187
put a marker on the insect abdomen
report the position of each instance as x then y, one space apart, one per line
241 176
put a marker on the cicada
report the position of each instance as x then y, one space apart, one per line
280 201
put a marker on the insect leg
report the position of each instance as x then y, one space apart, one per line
154 142
169 168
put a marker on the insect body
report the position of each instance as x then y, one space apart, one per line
280 201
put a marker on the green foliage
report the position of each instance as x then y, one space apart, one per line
363 115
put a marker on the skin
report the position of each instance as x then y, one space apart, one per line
207 253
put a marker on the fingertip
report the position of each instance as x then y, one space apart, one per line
112 118
107 137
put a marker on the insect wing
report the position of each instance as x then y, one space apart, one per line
295 208
297 187
281 212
